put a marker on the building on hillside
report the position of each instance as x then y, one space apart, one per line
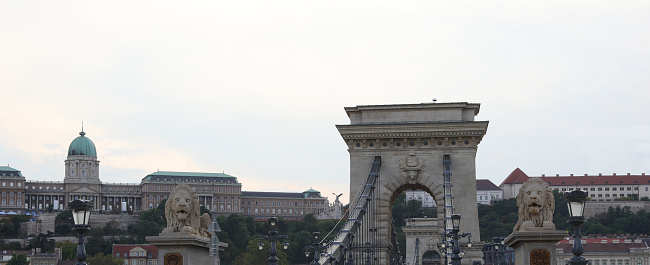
600 187
289 205
607 251
486 192
6 255
138 254
12 186
220 193
34 256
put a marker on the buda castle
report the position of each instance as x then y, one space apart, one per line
218 192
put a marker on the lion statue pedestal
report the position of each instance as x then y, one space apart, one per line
534 236
185 239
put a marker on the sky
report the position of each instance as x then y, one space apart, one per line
255 88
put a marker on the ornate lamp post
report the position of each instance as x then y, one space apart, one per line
455 236
81 216
316 247
576 203
273 236
500 249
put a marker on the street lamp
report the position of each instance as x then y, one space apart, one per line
455 221
81 216
316 247
576 203
500 250
273 236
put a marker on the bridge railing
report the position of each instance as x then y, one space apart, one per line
357 240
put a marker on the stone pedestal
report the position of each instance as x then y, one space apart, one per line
192 249
535 247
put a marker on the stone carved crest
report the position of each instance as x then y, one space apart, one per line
536 206
410 167
182 213
173 259
540 257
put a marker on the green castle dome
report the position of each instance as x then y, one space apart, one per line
82 146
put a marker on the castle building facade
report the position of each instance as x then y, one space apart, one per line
219 193
600 187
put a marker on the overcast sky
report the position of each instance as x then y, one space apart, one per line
254 88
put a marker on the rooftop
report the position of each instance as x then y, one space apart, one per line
216 176
9 171
518 177
485 184
595 245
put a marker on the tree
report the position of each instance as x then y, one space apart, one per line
18 259
68 250
43 241
101 259
63 223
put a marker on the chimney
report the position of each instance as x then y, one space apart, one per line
614 174
543 175
557 175
572 175
600 174
586 175
628 174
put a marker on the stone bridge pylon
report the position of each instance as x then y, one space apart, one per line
412 140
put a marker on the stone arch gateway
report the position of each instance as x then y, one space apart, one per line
412 140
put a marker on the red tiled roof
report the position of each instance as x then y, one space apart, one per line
518 177
485 184
118 248
595 245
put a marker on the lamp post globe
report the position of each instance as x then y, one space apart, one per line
273 236
81 210
576 203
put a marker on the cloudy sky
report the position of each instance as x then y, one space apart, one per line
254 88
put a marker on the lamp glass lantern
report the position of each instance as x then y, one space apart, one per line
80 212
273 221
576 203
455 220
316 235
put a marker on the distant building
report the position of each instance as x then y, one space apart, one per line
600 187
486 192
220 193
608 251
34 256
138 254
12 186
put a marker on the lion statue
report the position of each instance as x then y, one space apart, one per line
536 206
182 213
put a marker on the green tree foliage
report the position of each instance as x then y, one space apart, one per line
10 246
68 249
63 223
254 255
18 259
101 259
43 241
618 221
96 242
10 227
239 232
150 223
